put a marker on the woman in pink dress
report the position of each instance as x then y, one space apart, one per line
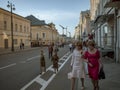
92 58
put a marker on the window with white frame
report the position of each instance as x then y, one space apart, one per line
5 25
15 41
16 27
43 35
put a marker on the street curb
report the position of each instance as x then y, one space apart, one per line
18 51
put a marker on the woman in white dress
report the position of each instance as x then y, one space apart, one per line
77 65
84 50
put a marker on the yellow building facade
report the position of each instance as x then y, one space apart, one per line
84 24
43 35
21 30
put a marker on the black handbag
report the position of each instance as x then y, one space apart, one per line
101 74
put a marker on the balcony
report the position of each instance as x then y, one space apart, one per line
103 18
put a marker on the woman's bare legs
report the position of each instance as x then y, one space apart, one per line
82 81
73 84
95 84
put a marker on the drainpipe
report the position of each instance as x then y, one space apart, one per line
116 36
118 19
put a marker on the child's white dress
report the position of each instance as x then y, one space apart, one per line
77 64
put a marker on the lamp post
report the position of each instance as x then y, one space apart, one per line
12 7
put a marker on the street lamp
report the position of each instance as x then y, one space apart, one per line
12 7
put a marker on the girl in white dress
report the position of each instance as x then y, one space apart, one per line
77 65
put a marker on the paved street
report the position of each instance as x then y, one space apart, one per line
18 69
22 73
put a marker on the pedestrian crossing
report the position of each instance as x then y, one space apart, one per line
42 81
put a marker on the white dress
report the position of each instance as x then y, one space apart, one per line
77 64
85 64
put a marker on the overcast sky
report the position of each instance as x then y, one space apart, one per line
60 12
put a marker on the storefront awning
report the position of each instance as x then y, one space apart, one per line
103 18
112 3
98 18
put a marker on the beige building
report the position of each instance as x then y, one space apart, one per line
77 33
93 7
106 25
21 30
84 24
42 33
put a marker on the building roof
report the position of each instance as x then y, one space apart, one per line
15 14
83 13
35 21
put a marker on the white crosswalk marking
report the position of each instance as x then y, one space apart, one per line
42 81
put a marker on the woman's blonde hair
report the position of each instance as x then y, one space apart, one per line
79 44
91 43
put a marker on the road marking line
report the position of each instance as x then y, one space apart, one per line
8 66
60 63
51 69
43 82
29 83
35 79
52 77
46 84
22 62
40 81
33 58
63 59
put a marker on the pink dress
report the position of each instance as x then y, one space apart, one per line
94 60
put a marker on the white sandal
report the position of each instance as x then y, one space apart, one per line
82 88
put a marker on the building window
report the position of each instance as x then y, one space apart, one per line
15 41
27 41
43 35
20 28
105 29
21 40
24 29
30 35
28 29
5 25
37 36
105 34
16 27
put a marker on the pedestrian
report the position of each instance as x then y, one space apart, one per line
22 45
77 66
50 50
55 60
70 47
42 62
92 56
56 49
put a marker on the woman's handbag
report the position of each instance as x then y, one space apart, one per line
101 74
